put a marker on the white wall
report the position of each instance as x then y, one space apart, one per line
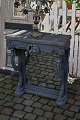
0 3
2 40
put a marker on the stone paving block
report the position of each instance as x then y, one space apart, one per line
35 67
49 78
77 103
75 87
14 87
30 116
58 110
34 82
34 78
77 92
35 98
14 94
44 100
57 83
28 109
9 104
37 105
47 108
59 117
15 78
27 96
51 74
48 63
42 84
2 102
1 90
2 75
8 86
52 103
2 96
51 86
14 118
42 80
28 102
70 95
66 106
74 108
50 81
8 80
77 116
9 97
1 84
8 76
2 79
56 79
32 70
70 101
32 74
41 118
17 99
71 91
38 111
71 119
68 113
18 114
37 71
44 73
57 87
41 68
7 91
49 70
77 97
41 63
40 75
1 107
7 111
4 117
49 115
18 106
14 82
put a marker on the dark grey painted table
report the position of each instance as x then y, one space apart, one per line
60 44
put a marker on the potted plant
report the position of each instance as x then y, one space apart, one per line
78 5
70 2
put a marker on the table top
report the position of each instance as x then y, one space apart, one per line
46 39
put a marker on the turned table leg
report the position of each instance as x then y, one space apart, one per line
21 68
63 74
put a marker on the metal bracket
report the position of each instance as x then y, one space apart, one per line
32 49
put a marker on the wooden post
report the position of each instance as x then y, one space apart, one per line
56 18
46 23
73 38
75 55
78 72
64 14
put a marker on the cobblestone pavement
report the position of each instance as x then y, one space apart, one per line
40 72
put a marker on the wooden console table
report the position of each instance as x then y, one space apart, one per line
60 44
